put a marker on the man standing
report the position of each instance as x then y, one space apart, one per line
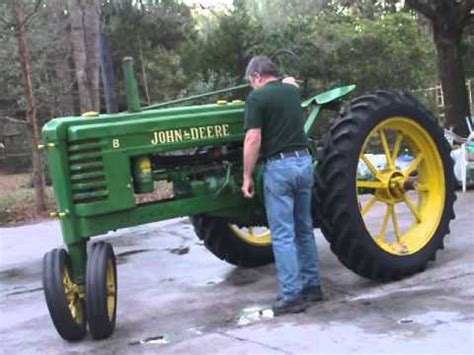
274 130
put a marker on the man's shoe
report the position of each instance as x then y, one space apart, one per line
312 294
295 305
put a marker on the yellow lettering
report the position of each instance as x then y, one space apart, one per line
162 137
202 132
218 130
169 136
210 132
194 133
178 135
225 130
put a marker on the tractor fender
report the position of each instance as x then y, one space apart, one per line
329 96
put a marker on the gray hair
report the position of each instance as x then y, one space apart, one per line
261 65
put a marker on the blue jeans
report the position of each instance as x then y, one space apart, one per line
288 183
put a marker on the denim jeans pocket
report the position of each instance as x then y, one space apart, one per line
277 180
309 174
305 177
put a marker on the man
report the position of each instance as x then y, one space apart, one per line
274 130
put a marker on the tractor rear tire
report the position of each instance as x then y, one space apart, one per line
220 239
338 209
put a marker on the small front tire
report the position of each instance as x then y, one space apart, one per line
63 297
101 290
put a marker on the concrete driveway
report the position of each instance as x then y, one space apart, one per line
175 297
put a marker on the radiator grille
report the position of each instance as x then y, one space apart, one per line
87 171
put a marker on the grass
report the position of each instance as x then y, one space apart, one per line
17 200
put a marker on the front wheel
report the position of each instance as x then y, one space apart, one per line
65 298
101 290
385 186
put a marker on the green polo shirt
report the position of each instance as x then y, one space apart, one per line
276 109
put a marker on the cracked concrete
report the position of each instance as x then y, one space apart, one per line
177 298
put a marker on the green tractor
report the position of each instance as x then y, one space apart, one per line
384 220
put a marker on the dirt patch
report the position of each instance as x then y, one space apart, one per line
17 200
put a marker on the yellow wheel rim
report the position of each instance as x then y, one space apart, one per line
111 289
411 197
259 236
73 294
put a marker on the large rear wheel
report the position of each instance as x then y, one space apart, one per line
385 186
238 245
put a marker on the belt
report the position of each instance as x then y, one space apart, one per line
291 154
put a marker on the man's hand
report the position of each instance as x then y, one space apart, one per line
248 188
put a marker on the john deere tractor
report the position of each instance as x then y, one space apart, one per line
383 193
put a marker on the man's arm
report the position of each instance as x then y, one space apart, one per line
252 142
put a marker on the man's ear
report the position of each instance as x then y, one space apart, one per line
290 80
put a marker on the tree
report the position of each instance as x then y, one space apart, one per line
21 18
59 30
152 32
336 49
274 13
369 9
85 21
448 20
226 44
467 47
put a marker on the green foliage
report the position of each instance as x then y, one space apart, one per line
223 47
388 53
151 33
335 48
42 46
212 81
276 13
181 51
369 9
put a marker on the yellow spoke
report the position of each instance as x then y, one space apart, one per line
421 187
396 147
395 223
370 184
383 231
72 309
414 164
412 207
369 205
370 165
67 280
388 156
